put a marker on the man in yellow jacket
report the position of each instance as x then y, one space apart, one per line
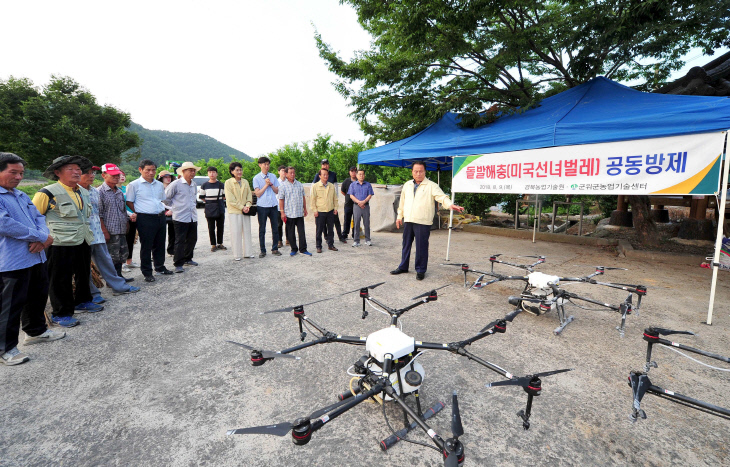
416 211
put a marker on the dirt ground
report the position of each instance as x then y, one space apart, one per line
152 381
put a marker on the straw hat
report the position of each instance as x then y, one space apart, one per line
186 165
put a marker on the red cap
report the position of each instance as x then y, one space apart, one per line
111 169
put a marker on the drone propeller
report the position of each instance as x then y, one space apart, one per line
291 308
667 332
455 265
370 287
639 383
429 292
525 381
267 354
509 317
532 256
607 268
453 449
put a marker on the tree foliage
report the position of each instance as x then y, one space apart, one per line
61 118
432 57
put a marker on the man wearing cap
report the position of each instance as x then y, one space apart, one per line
67 208
144 197
266 187
181 200
109 269
23 277
333 181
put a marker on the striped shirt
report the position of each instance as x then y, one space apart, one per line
20 225
112 209
293 196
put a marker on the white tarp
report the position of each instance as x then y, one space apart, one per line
677 165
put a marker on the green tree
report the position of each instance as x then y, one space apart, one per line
62 118
431 57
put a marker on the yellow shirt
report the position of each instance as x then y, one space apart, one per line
419 208
40 200
324 198
237 196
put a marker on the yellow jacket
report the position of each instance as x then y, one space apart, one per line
324 198
237 196
419 208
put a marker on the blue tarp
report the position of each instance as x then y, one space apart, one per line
598 111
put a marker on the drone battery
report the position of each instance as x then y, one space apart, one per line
389 341
541 280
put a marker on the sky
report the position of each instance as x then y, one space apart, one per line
246 72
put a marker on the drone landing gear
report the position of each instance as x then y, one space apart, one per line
563 320
391 440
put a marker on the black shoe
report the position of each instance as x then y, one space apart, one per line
275 252
261 255
179 269
128 279
164 272
420 275
190 263
344 240
398 271
149 278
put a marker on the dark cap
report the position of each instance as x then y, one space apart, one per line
325 161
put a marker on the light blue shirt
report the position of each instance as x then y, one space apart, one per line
94 221
182 200
268 199
147 197
20 225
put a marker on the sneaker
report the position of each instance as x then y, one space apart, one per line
132 289
126 268
65 321
306 253
275 252
253 256
47 336
293 253
356 244
179 269
98 299
369 243
236 259
221 247
89 307
14 357
133 265
190 263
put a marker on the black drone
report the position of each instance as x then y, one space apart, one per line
542 293
390 372
641 385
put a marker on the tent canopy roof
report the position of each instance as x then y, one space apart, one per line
598 111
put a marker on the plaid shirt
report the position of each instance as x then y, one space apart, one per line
293 195
112 210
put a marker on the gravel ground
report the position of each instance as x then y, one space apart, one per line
152 381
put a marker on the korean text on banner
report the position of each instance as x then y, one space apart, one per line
676 165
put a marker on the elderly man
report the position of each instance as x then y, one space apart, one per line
416 209
266 187
360 193
144 198
333 180
113 217
67 208
181 199
23 278
324 204
110 271
293 206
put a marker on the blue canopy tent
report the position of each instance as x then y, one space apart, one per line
599 111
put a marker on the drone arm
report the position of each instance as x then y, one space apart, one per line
463 352
677 345
590 300
383 306
375 390
632 289
688 401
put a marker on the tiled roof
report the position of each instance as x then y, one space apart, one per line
713 79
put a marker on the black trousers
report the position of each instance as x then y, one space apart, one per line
281 227
186 236
212 223
297 223
23 297
68 265
338 227
348 220
151 229
420 233
170 238
131 233
324 222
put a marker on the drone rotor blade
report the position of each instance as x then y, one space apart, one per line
633 286
452 460
280 429
370 287
531 256
270 354
510 382
451 264
429 292
613 269
291 308
511 316
479 280
457 429
242 345
554 372
667 332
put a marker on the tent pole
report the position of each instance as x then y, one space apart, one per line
451 222
718 240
